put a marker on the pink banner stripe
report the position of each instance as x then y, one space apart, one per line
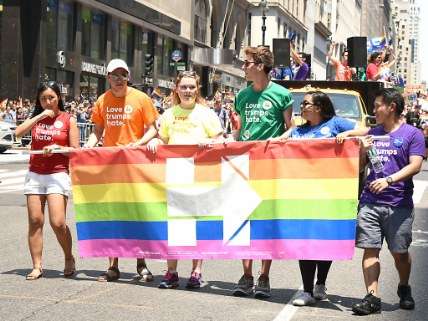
259 249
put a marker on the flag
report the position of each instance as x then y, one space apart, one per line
376 44
260 200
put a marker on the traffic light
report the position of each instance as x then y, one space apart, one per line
148 64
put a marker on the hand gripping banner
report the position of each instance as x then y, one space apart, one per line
260 200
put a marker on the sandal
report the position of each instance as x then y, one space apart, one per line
143 271
112 274
70 268
35 274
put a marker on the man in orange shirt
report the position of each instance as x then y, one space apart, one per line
126 116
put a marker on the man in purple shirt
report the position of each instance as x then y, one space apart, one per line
386 205
300 67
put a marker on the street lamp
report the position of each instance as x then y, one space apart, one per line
263 6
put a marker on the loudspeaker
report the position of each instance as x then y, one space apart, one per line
357 51
281 52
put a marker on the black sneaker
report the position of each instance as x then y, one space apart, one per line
370 304
406 300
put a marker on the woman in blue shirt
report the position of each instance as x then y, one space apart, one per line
321 122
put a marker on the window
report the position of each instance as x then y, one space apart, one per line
123 40
51 24
200 26
66 28
98 35
93 33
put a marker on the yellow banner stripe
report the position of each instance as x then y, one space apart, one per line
304 189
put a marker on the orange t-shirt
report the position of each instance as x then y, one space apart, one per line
124 119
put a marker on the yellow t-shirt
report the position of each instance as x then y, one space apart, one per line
189 126
124 119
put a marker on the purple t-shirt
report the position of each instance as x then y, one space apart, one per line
404 142
302 73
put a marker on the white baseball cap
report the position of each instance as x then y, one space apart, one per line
116 64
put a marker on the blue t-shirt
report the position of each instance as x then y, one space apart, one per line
327 129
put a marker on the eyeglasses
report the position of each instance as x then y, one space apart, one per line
248 62
305 104
187 73
186 87
119 77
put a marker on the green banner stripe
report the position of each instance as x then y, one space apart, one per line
269 209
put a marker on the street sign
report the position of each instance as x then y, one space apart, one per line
181 66
176 55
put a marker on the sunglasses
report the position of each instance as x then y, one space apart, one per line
305 104
248 62
119 77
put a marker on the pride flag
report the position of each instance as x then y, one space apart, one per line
260 200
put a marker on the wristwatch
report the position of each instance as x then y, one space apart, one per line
389 180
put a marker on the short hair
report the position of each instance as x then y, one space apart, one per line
391 95
261 55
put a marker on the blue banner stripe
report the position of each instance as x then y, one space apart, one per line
213 230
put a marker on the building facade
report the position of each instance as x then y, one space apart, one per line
219 33
406 15
71 41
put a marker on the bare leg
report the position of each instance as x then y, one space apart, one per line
371 270
403 264
266 267
248 267
197 266
172 265
57 205
36 207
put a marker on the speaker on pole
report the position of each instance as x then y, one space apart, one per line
281 52
357 51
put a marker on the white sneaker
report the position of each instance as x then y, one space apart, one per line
303 299
320 292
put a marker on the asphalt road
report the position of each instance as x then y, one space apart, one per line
83 298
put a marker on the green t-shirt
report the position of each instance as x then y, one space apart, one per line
262 112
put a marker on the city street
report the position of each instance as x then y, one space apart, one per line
83 298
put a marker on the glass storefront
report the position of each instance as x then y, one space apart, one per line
60 26
80 67
91 86
165 46
64 78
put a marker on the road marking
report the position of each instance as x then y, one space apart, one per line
419 190
287 313
12 181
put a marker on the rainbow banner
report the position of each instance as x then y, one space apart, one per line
260 200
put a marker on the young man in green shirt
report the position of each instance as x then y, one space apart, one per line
265 111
